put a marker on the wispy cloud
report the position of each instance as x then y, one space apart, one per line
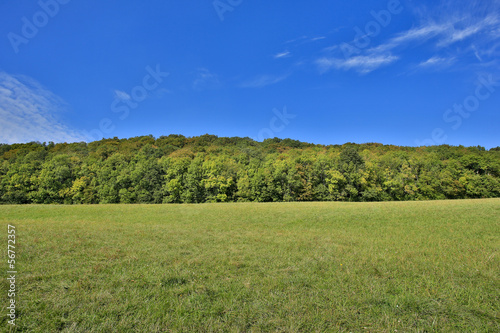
163 92
438 34
205 80
455 33
263 80
490 51
284 54
361 64
476 53
368 60
305 39
437 62
28 112
419 34
295 40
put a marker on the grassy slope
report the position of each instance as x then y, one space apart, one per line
348 267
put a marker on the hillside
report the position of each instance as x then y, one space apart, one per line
176 169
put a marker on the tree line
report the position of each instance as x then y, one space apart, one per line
178 169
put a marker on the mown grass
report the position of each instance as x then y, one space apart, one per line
288 267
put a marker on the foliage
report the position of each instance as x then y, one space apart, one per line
177 169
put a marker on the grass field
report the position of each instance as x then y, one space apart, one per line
288 267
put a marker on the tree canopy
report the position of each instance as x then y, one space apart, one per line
179 169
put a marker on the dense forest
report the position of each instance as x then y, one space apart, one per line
177 169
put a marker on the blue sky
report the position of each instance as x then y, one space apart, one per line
395 72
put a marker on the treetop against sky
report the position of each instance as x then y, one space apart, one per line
393 71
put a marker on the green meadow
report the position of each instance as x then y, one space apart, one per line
430 266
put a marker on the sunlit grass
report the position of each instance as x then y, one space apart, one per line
290 267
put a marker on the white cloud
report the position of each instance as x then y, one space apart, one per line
161 92
304 40
361 64
28 112
476 53
282 55
373 58
263 80
299 39
419 34
441 33
205 80
437 61
454 34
